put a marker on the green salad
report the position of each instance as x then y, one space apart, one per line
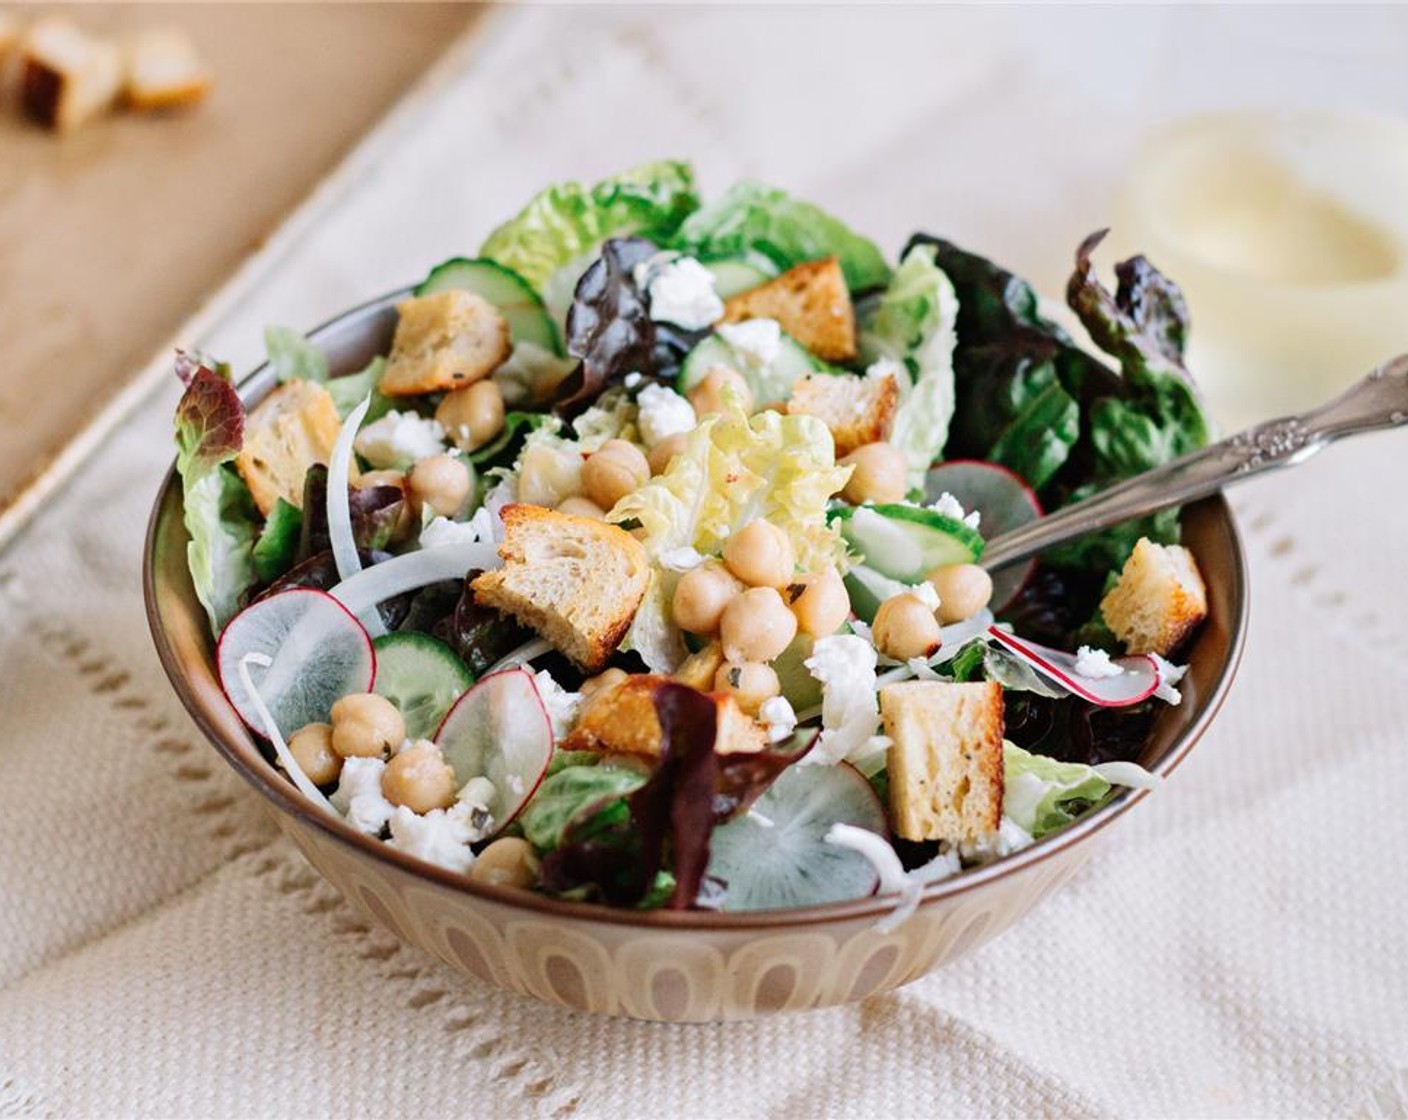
645 566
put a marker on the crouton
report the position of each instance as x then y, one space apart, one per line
858 410
621 719
945 759
1159 600
698 670
446 340
9 35
163 71
578 582
67 76
810 302
287 432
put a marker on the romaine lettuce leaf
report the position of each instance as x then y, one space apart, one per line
572 796
913 323
350 391
754 218
219 513
1042 795
293 357
568 221
276 550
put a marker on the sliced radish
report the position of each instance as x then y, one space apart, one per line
776 855
1006 503
1138 679
362 592
499 730
290 657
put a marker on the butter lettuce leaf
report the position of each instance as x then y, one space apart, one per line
754 218
569 221
1042 795
914 323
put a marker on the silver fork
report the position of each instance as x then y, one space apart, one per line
1377 402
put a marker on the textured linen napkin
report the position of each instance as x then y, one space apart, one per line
1238 946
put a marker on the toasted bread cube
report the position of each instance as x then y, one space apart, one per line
578 582
858 410
811 303
945 759
67 76
287 432
9 34
1159 600
446 340
622 720
698 670
163 70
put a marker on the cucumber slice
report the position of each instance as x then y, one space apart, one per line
734 276
868 589
772 382
906 542
422 676
528 319
776 856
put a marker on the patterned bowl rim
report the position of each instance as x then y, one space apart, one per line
164 588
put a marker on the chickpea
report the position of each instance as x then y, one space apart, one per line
719 382
441 482
365 725
380 478
582 507
602 682
618 469
761 554
820 603
879 474
311 747
905 627
964 590
661 454
548 475
420 779
756 625
701 596
750 684
473 416
509 861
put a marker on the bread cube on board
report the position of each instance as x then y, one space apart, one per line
1159 600
576 581
163 70
858 410
66 75
446 340
287 432
810 302
945 759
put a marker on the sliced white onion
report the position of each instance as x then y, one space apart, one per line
525 653
888 868
344 544
271 732
1129 774
361 592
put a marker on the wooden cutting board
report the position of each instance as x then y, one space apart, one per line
111 237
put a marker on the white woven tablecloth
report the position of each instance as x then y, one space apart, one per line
1238 948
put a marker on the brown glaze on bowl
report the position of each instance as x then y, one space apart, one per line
665 965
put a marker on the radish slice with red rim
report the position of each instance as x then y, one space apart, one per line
1137 681
776 855
499 730
1005 501
301 651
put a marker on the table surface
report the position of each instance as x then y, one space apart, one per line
1237 947
110 237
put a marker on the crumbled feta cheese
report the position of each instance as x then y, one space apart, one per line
1010 837
400 439
777 716
479 793
757 342
663 413
683 559
440 532
682 292
1169 676
633 379
1095 664
850 709
562 706
949 506
441 836
925 592
887 367
359 797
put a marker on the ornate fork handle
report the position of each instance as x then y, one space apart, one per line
1379 401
